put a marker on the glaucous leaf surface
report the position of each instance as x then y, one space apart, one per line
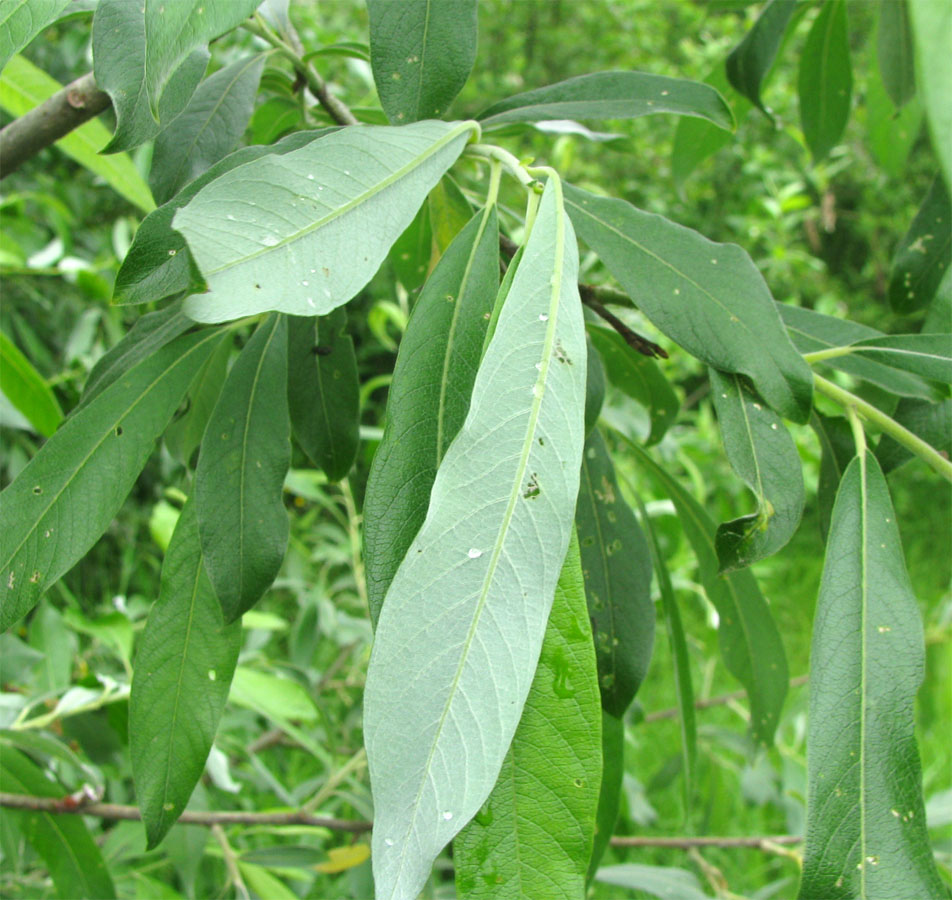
750 643
66 496
710 298
429 397
895 52
609 796
324 391
617 566
812 331
158 264
836 452
475 589
303 232
826 80
926 355
930 421
239 480
421 52
751 60
23 20
866 829
762 453
183 668
63 842
612 95
119 54
533 835
924 255
207 129
639 377
27 390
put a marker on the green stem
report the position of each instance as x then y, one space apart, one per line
929 455
830 353
509 162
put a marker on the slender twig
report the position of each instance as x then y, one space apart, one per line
231 863
720 700
632 338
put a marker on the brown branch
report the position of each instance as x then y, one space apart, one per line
45 124
720 700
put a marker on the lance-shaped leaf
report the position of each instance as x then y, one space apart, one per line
429 397
239 480
609 797
474 591
324 391
421 52
924 255
207 129
449 211
66 496
617 566
158 264
594 387
826 80
895 52
63 842
23 20
762 452
639 377
411 253
891 132
812 332
930 421
533 835
836 452
303 232
750 643
612 95
119 51
751 60
27 390
710 298
926 355
183 669
866 830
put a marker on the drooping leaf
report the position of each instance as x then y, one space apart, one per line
23 20
594 387
762 453
693 289
751 60
158 264
429 397
891 132
931 32
207 129
930 421
63 842
866 830
66 496
183 670
812 332
639 377
324 391
23 87
303 232
895 52
26 389
750 643
664 882
533 835
50 635
826 80
476 586
612 95
449 212
609 797
617 566
924 255
244 458
119 52
836 452
925 355
421 52
410 254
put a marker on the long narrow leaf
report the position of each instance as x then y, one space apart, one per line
27 390
926 355
609 797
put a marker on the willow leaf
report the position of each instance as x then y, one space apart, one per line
23 20
609 796
26 389
926 355
895 52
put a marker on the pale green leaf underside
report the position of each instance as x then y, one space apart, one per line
473 594
303 232
23 20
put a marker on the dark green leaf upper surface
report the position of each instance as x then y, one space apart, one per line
710 298
429 396
836 452
895 52
67 495
533 835
762 452
23 20
421 52
183 669
609 797
826 79
241 469
612 95
207 129
926 355
866 830
617 566
930 421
